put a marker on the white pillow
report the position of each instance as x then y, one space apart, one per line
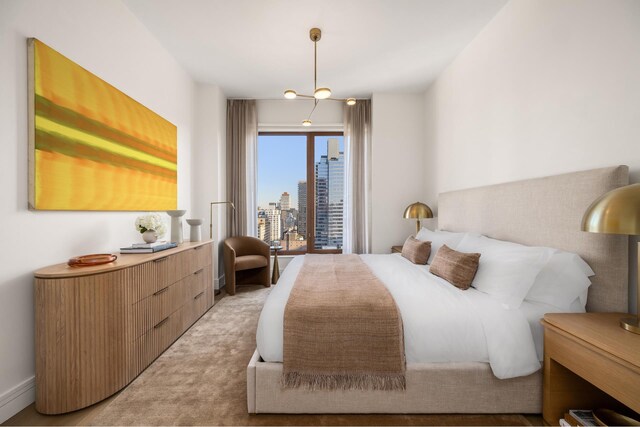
563 279
507 270
439 238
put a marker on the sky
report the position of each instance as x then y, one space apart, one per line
282 162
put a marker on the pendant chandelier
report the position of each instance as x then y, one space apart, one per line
318 92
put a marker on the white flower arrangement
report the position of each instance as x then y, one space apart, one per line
151 222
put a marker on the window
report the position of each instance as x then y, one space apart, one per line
301 191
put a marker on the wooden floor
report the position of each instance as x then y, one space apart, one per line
29 415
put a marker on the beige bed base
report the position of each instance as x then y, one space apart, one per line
431 388
538 212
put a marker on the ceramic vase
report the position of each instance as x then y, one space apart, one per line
196 230
176 225
149 236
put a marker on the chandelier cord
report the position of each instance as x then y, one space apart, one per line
314 108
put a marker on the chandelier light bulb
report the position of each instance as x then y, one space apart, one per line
290 94
351 101
322 93
306 122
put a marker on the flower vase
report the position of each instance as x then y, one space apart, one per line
150 236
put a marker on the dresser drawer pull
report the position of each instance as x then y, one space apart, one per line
198 248
199 271
161 291
199 295
162 322
161 259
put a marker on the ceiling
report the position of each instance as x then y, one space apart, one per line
259 48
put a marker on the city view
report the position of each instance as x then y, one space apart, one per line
283 193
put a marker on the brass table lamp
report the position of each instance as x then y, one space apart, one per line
618 212
418 211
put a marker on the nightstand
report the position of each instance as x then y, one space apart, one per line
396 249
590 362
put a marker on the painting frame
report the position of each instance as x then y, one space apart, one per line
91 147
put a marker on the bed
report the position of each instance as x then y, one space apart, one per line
537 212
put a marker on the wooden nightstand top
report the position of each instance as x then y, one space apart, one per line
395 249
601 330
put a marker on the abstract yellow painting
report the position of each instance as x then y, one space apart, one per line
92 147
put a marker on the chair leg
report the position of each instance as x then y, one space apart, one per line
231 286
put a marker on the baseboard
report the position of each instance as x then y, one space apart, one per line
218 283
17 398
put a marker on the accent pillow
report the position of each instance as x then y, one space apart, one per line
416 251
439 238
564 278
455 267
507 270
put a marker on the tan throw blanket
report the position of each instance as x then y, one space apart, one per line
342 328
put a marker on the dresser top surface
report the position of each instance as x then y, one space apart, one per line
601 330
60 271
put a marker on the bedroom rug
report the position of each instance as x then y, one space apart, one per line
201 380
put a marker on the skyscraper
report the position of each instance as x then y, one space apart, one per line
329 173
302 208
273 215
285 201
264 228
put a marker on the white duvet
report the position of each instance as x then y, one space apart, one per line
441 322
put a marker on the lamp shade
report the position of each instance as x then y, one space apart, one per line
322 93
418 210
615 212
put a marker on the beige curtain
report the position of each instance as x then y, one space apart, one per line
357 204
242 141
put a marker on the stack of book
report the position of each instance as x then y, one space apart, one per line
577 417
148 248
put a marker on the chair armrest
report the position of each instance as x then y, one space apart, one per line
229 255
263 249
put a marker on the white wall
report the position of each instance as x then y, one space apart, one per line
209 167
549 86
105 38
398 170
288 114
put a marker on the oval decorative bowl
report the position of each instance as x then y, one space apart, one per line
91 260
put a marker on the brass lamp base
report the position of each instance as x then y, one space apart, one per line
631 324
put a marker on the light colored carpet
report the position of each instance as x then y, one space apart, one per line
201 380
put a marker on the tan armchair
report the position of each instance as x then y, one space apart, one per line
247 261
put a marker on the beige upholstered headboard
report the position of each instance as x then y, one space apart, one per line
548 212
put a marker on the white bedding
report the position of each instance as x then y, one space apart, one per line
441 322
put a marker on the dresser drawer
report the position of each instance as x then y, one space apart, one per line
179 267
199 280
157 339
150 277
195 308
200 257
160 304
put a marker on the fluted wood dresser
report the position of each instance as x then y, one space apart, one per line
98 327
